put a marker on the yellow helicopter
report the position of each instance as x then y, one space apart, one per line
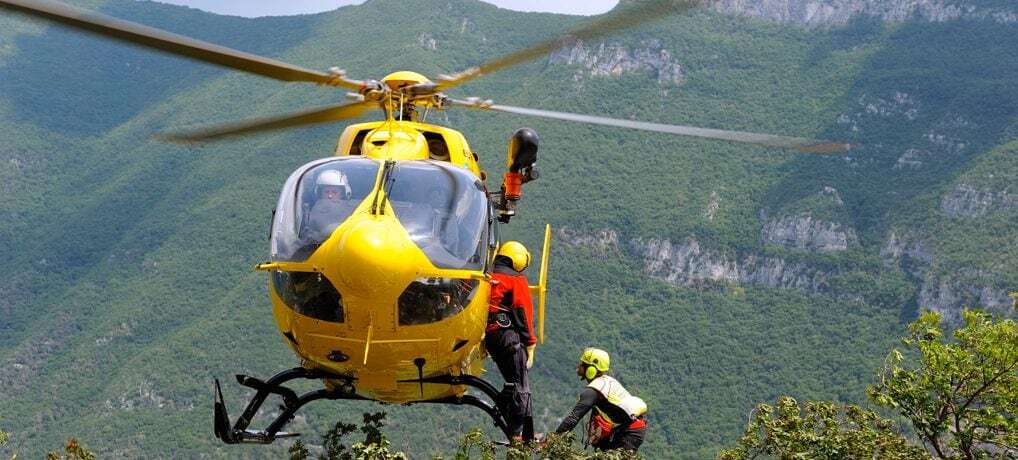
381 253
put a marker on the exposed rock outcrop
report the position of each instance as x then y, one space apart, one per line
965 201
122 330
912 159
688 264
895 106
949 297
144 397
946 294
602 242
803 232
825 13
908 252
948 136
610 59
712 206
426 41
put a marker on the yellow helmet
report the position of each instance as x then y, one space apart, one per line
516 252
596 358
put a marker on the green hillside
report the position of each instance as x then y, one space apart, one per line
131 285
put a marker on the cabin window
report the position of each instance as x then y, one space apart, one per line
310 294
444 210
428 300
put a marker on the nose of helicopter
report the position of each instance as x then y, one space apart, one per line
372 256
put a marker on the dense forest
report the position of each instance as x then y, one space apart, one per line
718 275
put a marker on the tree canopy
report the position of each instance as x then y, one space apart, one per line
959 391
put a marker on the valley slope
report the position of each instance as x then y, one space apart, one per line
718 275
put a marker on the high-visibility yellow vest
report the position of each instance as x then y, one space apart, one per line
617 395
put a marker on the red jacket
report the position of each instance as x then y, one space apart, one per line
510 293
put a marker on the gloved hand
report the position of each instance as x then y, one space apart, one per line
530 356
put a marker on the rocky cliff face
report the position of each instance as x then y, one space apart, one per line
947 137
602 242
948 297
688 263
609 59
966 201
803 232
908 252
798 226
826 13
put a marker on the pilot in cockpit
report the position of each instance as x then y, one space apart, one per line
333 201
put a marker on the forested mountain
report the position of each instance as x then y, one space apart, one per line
719 275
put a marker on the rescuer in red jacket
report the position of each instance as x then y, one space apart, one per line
509 336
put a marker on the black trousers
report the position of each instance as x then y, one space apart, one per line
511 358
623 438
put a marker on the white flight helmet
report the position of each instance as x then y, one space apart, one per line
333 178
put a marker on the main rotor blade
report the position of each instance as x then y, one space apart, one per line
171 43
303 118
609 24
799 143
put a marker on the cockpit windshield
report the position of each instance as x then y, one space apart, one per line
444 209
315 200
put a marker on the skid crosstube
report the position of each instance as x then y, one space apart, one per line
239 432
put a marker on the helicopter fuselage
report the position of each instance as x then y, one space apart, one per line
389 283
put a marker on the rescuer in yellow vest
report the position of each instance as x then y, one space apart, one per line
618 418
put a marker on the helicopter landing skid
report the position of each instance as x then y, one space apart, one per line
239 433
497 410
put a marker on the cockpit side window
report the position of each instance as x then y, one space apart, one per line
316 199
